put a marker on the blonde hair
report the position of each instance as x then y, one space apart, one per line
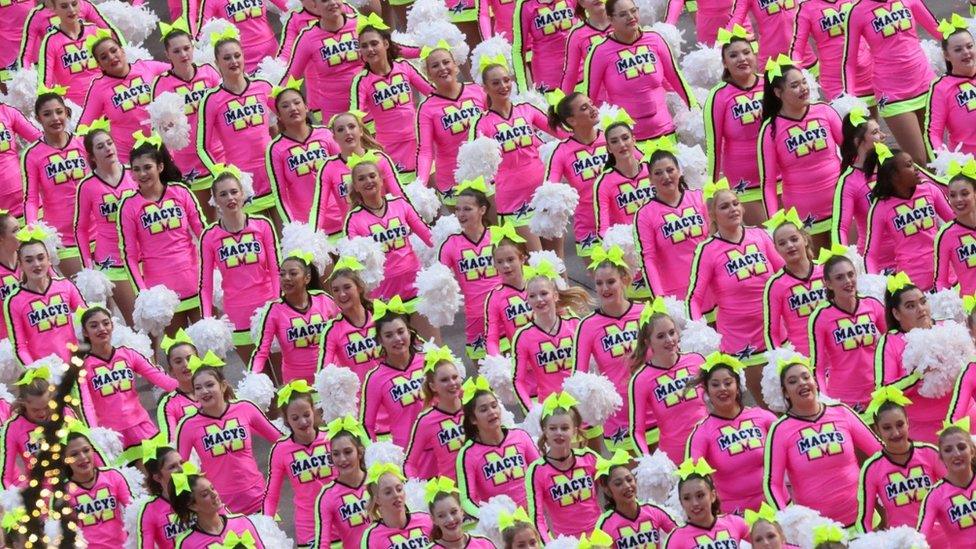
573 298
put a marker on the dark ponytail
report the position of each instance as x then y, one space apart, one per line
611 162
772 104
891 302
660 155
726 75
392 49
559 114
160 155
883 172
853 137
945 46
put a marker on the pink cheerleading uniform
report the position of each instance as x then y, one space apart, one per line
637 76
41 20
350 346
964 394
733 116
96 218
710 16
340 514
852 202
251 19
647 530
247 261
171 409
225 447
727 531
506 310
328 61
804 154
774 25
239 524
543 360
955 257
813 451
109 397
51 177
307 468
65 61
909 227
735 446
540 32
566 495
899 489
435 440
158 525
391 230
330 204
158 240
295 22
949 510
396 392
13 19
123 102
192 91
949 115
21 441
387 100
735 275
443 124
842 346
41 324
788 302
617 197
485 470
13 125
474 268
664 393
671 232
99 508
9 282
824 23
293 168
416 533
901 70
609 341
496 17
583 37
297 332
580 165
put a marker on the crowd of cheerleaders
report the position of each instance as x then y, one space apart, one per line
126 206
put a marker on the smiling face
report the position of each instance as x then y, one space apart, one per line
373 47
228 194
446 514
35 263
230 59
961 52
723 388
447 382
739 59
208 390
625 17
98 329
367 182
53 116
622 486
800 387
541 293
962 196
345 454
395 337
697 498
905 176
872 135
793 90
666 177
498 83
560 432
665 339
111 58
508 262
441 68
293 276
146 171
178 359
330 9
610 285
841 280
345 292
956 452
78 455
892 426
791 244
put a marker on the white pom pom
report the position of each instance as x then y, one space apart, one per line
124 336
690 125
130 518
549 256
938 354
798 523
532 422
257 324
279 422
424 200
872 285
203 50
496 45
370 254
947 305
11 499
136 480
212 334
488 515
54 364
698 337
424 12
358 4
933 52
703 66
899 537
218 290
478 158
433 32
6 395
944 157
771 391
257 388
439 293
563 542
622 234
508 418
169 119
652 11
856 259
414 490
94 286
52 530
676 310
302 236
445 226
547 149
655 476
384 451
427 255
10 370
812 84
269 532
22 90
52 241
554 203
674 508
135 23
598 398
108 442
693 165
671 34
154 309
845 103
338 388
498 371
135 53
271 69
532 97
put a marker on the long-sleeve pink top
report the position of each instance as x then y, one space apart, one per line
664 394
306 468
565 494
100 508
506 310
340 514
486 470
204 77
617 197
950 510
96 218
733 116
109 397
354 347
671 232
297 332
540 30
397 392
824 23
435 439
328 61
955 257
543 360
949 118
13 125
442 127
293 168
51 176
842 345
898 489
579 165
726 531
40 324
788 302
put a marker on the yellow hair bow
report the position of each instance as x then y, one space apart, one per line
619 458
620 117
614 255
555 97
968 304
395 306
827 533
141 139
952 25
544 269
181 478
725 36
489 60
782 217
149 448
235 541
181 338
898 281
28 233
178 25
650 309
307 257
72 426
439 485
292 84
555 401
663 143
79 312
294 386
97 124
505 230
774 67
210 359
766 512
377 470
229 33
968 169
507 520
357 114
346 423
94 39
598 538
58 90
858 116
833 250
476 184
427 50
713 187
436 356
690 467
783 364
883 152
964 423
220 169
721 359
32 374
357 159
887 393
371 20
348 262
11 519
472 386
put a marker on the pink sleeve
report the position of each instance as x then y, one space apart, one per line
417 225
129 237
184 439
602 203
9 457
775 470
300 56
638 397
206 274
928 514
571 62
867 498
697 445
943 268
492 332
524 372
192 212
419 461
675 7
926 19
418 82
536 498
425 144
873 249
146 536
484 19
819 359
936 116
740 12
554 167
153 374
541 123
370 402
94 107
88 405
83 211
21 333
390 178
593 70
768 169
962 394
32 198
701 281
263 349
775 259
647 245
774 332
276 477
801 35
942 207
122 490
282 5
22 127
845 214
272 260
672 74
836 125
409 52
852 45
262 425
714 133
865 441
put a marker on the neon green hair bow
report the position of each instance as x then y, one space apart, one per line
556 401
436 356
620 458
969 304
690 467
210 359
28 233
141 139
377 470
950 26
858 116
663 143
774 67
544 268
357 114
650 309
371 20
58 90
968 169
229 33
725 36
833 250
713 187
964 423
489 60
12 519
614 255
94 39
181 478
505 230
220 169
783 364
97 124
178 25
356 159
881 395
439 485
395 306
898 281
766 512
721 359
507 520
598 538
620 117
292 84
348 262
427 50
181 337
72 426
472 386
883 152
827 533
307 257
782 217
476 184
294 386
555 97
348 424
149 448
41 372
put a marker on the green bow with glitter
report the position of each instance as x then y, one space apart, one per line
766 512
97 124
619 458
220 169
294 386
348 262
357 159
713 187
92 40
663 143
883 152
58 90
544 269
721 359
427 50
690 467
555 97
505 230
141 139
229 33
346 423
181 337
181 478
783 364
439 485
556 401
950 26
476 184
968 169
28 233
598 538
620 117
12 519
395 306
472 386
437 355
898 281
292 84
371 20
73 426
149 448
210 359
41 372
79 312
881 395
857 116
783 217
650 309
827 533
489 60
833 250
774 67
307 257
178 25
725 36
507 520
964 423
614 255
377 470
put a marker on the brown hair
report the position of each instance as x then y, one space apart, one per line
574 416
643 346
219 376
429 376
435 531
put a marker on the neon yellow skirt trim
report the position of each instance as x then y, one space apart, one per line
260 204
242 337
820 227
69 253
116 274
516 220
188 304
475 352
757 359
904 106
202 183
750 195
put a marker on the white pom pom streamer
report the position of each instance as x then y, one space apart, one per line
845 103
257 325
690 126
899 537
698 337
426 254
623 235
703 66
94 286
54 364
547 149
532 422
11 499
384 451
257 388
10 369
652 11
445 226
6 396
358 4
124 336
872 285
339 389
271 69
947 305
302 236
136 480
22 90
771 391
508 418
496 45
563 542
414 492
798 523
212 334
154 309
537 257
135 23
498 371
813 85
693 165
424 12
370 254
75 116
944 157
671 34
655 476
608 110
52 241
533 98
938 354
108 442
933 52
439 293
856 259
135 53
435 31
554 203
598 398
676 310
169 119
424 200
52 530
269 532
478 158
488 514
203 51
218 290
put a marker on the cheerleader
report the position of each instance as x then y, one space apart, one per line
947 507
844 332
899 476
13 124
294 22
540 31
700 502
852 196
175 405
900 69
251 19
52 168
158 525
732 434
774 28
469 256
543 348
65 56
391 522
625 184
798 143
765 531
561 483
628 521
295 156
494 459
349 338
159 226
236 112
671 224
108 394
437 433
904 217
823 23
710 16
733 115
444 505
813 442
340 508
222 435
97 211
197 502
635 67
792 294
517 531
496 17
948 123
10 274
592 28
121 93
579 159
384 90
661 383
295 320
302 458
244 250
39 314
97 495
29 31
952 257
506 307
